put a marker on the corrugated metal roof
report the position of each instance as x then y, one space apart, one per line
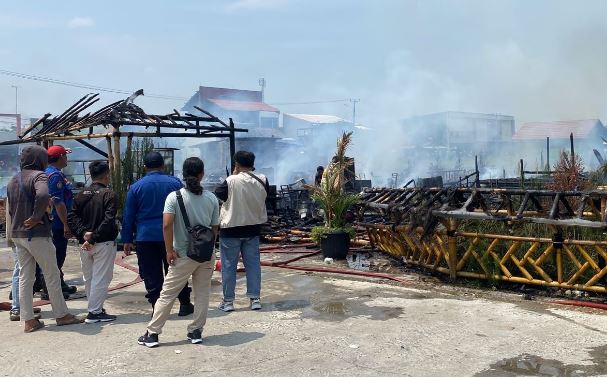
317 118
559 129
246 106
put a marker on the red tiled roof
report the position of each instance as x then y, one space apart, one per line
246 106
558 129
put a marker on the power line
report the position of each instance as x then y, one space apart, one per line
84 86
127 92
310 102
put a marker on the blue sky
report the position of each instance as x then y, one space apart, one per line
536 60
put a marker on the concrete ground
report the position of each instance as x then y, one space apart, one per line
316 324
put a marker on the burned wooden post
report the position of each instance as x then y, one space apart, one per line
572 150
232 146
522 174
477 181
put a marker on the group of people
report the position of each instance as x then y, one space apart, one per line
160 210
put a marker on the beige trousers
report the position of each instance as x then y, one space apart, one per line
174 281
97 271
41 251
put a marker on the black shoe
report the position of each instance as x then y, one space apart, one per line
37 286
44 296
100 317
195 336
185 309
68 289
150 340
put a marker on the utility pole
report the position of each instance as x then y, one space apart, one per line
354 101
17 116
262 84
16 108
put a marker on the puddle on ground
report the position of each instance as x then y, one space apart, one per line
530 365
341 310
333 308
287 305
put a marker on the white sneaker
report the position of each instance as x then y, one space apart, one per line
226 306
255 304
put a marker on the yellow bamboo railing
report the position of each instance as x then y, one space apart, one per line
568 264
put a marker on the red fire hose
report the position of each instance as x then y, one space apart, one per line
602 306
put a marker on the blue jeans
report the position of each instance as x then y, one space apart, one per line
15 284
231 249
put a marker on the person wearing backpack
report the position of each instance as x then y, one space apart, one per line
190 227
93 221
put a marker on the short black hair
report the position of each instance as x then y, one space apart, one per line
53 159
153 159
245 159
98 169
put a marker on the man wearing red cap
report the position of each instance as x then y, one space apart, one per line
61 193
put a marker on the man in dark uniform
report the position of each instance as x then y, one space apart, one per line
62 197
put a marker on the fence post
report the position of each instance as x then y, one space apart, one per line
452 247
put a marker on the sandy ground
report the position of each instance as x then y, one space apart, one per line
316 324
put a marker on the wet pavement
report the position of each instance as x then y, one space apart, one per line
318 324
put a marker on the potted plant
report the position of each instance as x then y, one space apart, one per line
334 236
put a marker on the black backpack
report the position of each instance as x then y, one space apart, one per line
201 239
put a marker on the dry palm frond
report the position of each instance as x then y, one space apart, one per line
568 173
330 195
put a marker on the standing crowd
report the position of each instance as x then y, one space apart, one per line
171 225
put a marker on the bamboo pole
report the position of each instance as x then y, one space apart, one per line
110 158
452 248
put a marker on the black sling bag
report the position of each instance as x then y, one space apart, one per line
201 240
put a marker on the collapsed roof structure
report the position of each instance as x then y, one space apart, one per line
109 122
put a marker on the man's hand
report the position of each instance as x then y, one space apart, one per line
172 257
30 223
128 248
86 246
67 233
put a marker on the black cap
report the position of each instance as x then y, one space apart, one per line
153 160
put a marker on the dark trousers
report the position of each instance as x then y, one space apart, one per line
153 265
60 243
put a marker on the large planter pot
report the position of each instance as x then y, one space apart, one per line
335 244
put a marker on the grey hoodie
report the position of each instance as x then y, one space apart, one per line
28 195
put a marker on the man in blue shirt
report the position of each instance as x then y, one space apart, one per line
143 212
61 194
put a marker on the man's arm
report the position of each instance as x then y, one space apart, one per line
41 198
222 191
128 218
108 225
167 231
74 221
56 184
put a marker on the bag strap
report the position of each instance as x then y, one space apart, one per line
260 181
184 213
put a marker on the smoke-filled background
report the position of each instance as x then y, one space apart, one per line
533 60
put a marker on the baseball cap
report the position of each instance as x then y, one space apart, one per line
57 151
153 160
